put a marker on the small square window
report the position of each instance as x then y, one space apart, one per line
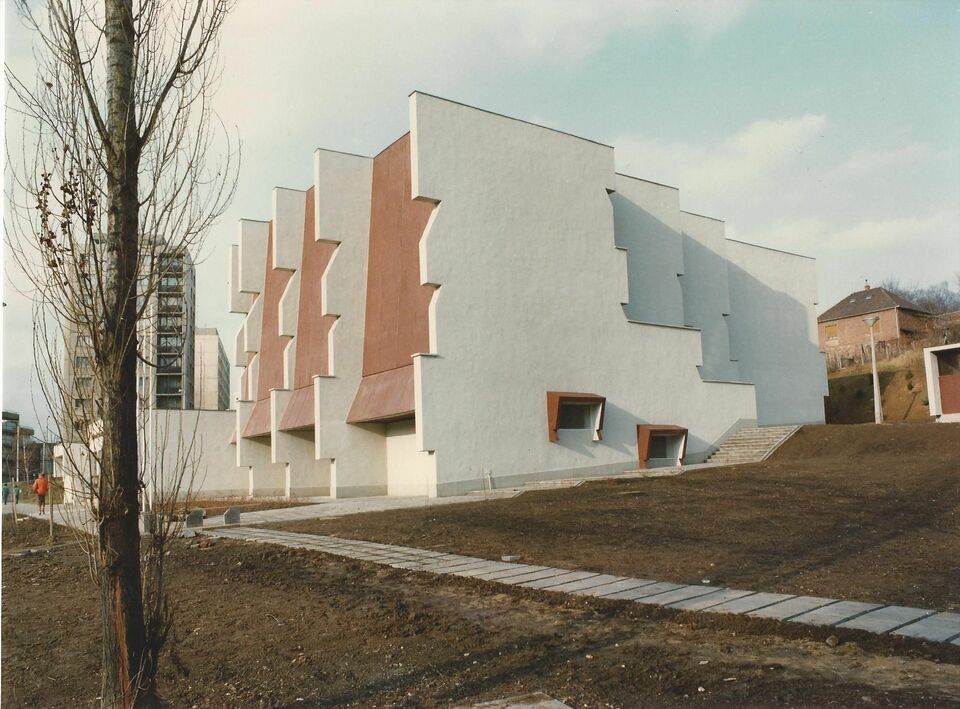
830 332
574 411
576 416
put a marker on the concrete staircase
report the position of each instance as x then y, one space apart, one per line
749 445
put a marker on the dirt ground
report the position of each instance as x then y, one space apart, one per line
30 533
261 626
868 512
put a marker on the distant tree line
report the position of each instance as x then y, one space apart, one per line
938 298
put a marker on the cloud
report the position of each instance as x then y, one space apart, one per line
907 233
867 163
918 248
739 162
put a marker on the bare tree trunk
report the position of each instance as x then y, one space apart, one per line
120 124
120 581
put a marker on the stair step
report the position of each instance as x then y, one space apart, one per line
750 445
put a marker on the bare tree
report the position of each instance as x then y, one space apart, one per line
936 299
116 182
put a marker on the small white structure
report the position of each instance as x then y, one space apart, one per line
942 365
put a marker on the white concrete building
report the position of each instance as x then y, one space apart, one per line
488 302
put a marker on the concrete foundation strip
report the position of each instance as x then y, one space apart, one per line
921 623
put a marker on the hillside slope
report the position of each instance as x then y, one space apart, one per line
902 386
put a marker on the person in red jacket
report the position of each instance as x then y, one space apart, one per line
41 486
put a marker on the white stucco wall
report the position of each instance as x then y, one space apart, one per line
254 236
410 471
204 438
239 302
288 213
195 442
773 332
356 454
539 307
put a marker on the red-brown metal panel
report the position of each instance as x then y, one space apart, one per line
385 396
299 411
950 394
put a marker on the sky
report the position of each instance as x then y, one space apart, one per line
822 128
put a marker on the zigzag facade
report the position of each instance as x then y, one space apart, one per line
487 302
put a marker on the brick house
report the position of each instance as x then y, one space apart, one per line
845 339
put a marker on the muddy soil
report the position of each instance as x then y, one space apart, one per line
869 513
259 626
30 533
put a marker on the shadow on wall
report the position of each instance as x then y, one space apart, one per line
774 346
775 349
706 305
654 259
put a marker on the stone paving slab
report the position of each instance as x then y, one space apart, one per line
648 590
564 577
616 587
521 569
791 607
435 561
407 565
835 613
440 564
493 567
486 568
678 594
546 573
585 583
465 566
416 565
883 620
941 626
749 603
698 603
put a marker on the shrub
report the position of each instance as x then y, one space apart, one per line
909 386
909 374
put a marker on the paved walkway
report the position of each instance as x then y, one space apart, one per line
323 507
326 507
877 618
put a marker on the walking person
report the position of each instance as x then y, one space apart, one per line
6 492
41 486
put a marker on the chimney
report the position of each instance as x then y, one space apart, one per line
866 285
